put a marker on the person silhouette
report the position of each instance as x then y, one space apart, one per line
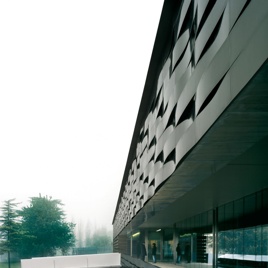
154 252
178 250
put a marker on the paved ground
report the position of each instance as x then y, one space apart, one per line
166 265
183 265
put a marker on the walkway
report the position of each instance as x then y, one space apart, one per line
166 265
173 265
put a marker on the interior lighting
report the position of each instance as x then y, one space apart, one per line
136 234
158 230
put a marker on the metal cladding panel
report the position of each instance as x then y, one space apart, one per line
214 55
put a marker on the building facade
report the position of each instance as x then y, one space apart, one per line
197 169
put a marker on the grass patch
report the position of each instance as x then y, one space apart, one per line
13 265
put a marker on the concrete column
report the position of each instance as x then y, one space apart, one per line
131 246
146 244
161 245
175 242
215 237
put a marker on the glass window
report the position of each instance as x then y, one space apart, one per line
154 237
168 245
242 238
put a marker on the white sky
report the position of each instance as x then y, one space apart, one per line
71 79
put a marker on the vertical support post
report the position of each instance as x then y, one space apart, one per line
215 237
192 248
175 242
161 244
146 244
131 246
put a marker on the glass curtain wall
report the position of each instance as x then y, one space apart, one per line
243 232
163 238
236 234
196 240
154 237
168 245
240 240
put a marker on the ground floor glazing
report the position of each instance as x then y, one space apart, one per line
231 235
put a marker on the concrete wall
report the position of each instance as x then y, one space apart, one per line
79 261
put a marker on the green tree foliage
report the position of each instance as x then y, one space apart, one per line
45 229
101 238
79 234
244 241
92 240
9 229
87 235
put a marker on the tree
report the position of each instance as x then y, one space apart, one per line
45 229
9 229
101 238
79 234
87 235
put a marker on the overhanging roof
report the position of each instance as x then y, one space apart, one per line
221 166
